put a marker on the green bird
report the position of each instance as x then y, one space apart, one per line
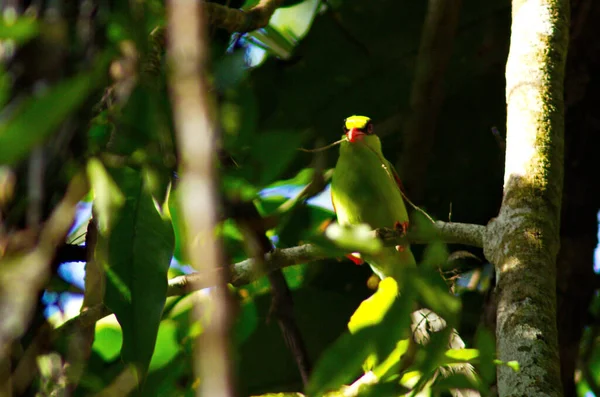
366 189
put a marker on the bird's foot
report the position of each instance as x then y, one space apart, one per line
402 227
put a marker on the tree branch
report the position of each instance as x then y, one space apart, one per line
23 273
235 20
247 271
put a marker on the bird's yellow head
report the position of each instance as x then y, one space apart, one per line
356 127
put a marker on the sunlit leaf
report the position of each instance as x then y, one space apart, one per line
108 339
372 310
178 226
19 29
514 365
354 238
389 366
462 355
107 196
166 345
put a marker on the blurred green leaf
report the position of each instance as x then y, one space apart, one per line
341 362
167 347
37 117
462 355
270 39
99 132
108 339
19 29
383 389
514 365
299 224
230 70
435 255
239 117
384 339
354 238
435 294
390 365
238 188
302 178
246 321
486 344
272 152
140 247
295 19
456 381
107 196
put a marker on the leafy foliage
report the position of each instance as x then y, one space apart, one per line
279 89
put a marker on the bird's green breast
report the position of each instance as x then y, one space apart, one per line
363 191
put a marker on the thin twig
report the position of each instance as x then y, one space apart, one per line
320 149
282 305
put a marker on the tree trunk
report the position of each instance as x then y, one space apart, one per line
523 240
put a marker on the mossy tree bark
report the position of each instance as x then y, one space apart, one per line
523 240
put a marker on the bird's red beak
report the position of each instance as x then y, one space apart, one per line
354 134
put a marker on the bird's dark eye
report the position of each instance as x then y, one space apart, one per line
369 128
344 126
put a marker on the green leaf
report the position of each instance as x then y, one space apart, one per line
38 117
390 365
272 152
140 247
514 365
462 355
20 29
456 381
354 238
270 39
372 310
246 321
383 389
108 339
341 362
384 339
485 343
435 255
302 178
434 293
167 347
230 70
107 196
